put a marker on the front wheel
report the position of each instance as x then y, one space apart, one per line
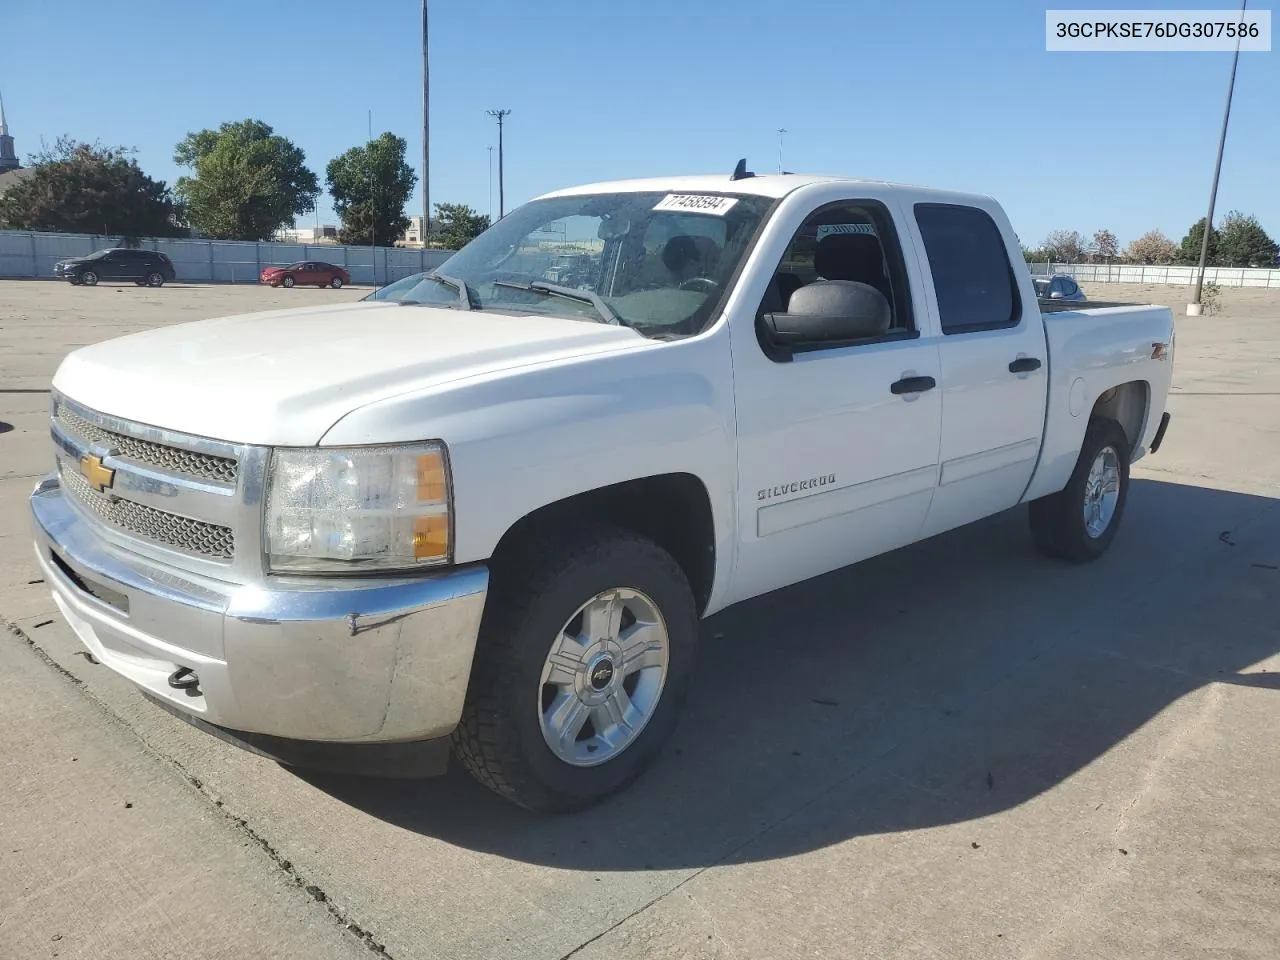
1079 522
287 282
586 650
89 278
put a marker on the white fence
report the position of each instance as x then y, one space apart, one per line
1176 275
24 254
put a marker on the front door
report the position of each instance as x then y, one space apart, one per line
994 365
837 443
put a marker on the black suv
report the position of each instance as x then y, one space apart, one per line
146 268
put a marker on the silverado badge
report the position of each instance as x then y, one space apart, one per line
99 477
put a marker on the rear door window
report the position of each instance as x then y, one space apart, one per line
972 276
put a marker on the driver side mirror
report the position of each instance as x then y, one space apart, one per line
828 312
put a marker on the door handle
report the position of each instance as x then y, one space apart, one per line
1024 365
912 385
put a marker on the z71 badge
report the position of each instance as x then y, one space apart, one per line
768 493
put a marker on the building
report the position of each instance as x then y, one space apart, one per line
326 233
8 158
413 234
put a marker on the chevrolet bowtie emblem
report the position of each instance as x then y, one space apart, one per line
99 477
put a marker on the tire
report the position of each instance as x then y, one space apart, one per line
89 278
287 282
155 279
534 600
1059 526
336 283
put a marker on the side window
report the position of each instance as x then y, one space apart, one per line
972 276
853 240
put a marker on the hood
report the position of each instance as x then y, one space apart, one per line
285 377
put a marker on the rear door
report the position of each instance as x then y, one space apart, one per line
133 264
993 358
837 442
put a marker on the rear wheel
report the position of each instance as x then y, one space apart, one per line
586 651
89 278
155 279
336 283
1079 522
287 282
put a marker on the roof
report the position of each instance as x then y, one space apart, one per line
772 185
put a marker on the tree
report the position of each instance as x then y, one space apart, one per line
370 186
1103 246
78 187
1152 247
1189 249
458 224
1243 243
248 181
1064 246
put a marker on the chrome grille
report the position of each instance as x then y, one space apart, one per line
187 463
169 529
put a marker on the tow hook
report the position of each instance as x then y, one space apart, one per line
184 678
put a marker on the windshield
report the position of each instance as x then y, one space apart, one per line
99 254
1042 286
658 262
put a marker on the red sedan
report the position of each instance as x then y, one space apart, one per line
306 273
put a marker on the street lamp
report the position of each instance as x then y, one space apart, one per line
781 131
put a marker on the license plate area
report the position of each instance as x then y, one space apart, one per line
103 594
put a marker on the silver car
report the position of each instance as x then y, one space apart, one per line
1058 287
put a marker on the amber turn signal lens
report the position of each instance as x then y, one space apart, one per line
431 537
430 478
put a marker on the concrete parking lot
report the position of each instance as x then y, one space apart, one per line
958 750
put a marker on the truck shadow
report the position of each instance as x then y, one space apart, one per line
948 681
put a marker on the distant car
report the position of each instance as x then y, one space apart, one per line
146 268
306 273
1058 287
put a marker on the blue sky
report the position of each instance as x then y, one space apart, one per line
956 95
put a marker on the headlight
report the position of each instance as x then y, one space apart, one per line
353 509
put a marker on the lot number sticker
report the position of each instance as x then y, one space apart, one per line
696 203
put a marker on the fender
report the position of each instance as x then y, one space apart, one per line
521 439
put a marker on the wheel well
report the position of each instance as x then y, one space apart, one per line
672 509
1127 405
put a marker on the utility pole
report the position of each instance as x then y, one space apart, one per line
500 115
426 133
491 184
1217 170
781 132
373 207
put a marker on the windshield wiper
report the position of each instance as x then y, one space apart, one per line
464 295
568 293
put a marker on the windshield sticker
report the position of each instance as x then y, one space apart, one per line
827 229
696 203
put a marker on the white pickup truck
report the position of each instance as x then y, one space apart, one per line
482 511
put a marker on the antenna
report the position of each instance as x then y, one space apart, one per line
740 172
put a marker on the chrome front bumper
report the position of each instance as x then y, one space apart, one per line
333 660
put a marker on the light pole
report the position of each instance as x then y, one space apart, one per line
426 133
1194 308
781 132
373 207
500 115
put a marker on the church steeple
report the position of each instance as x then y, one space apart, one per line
8 159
